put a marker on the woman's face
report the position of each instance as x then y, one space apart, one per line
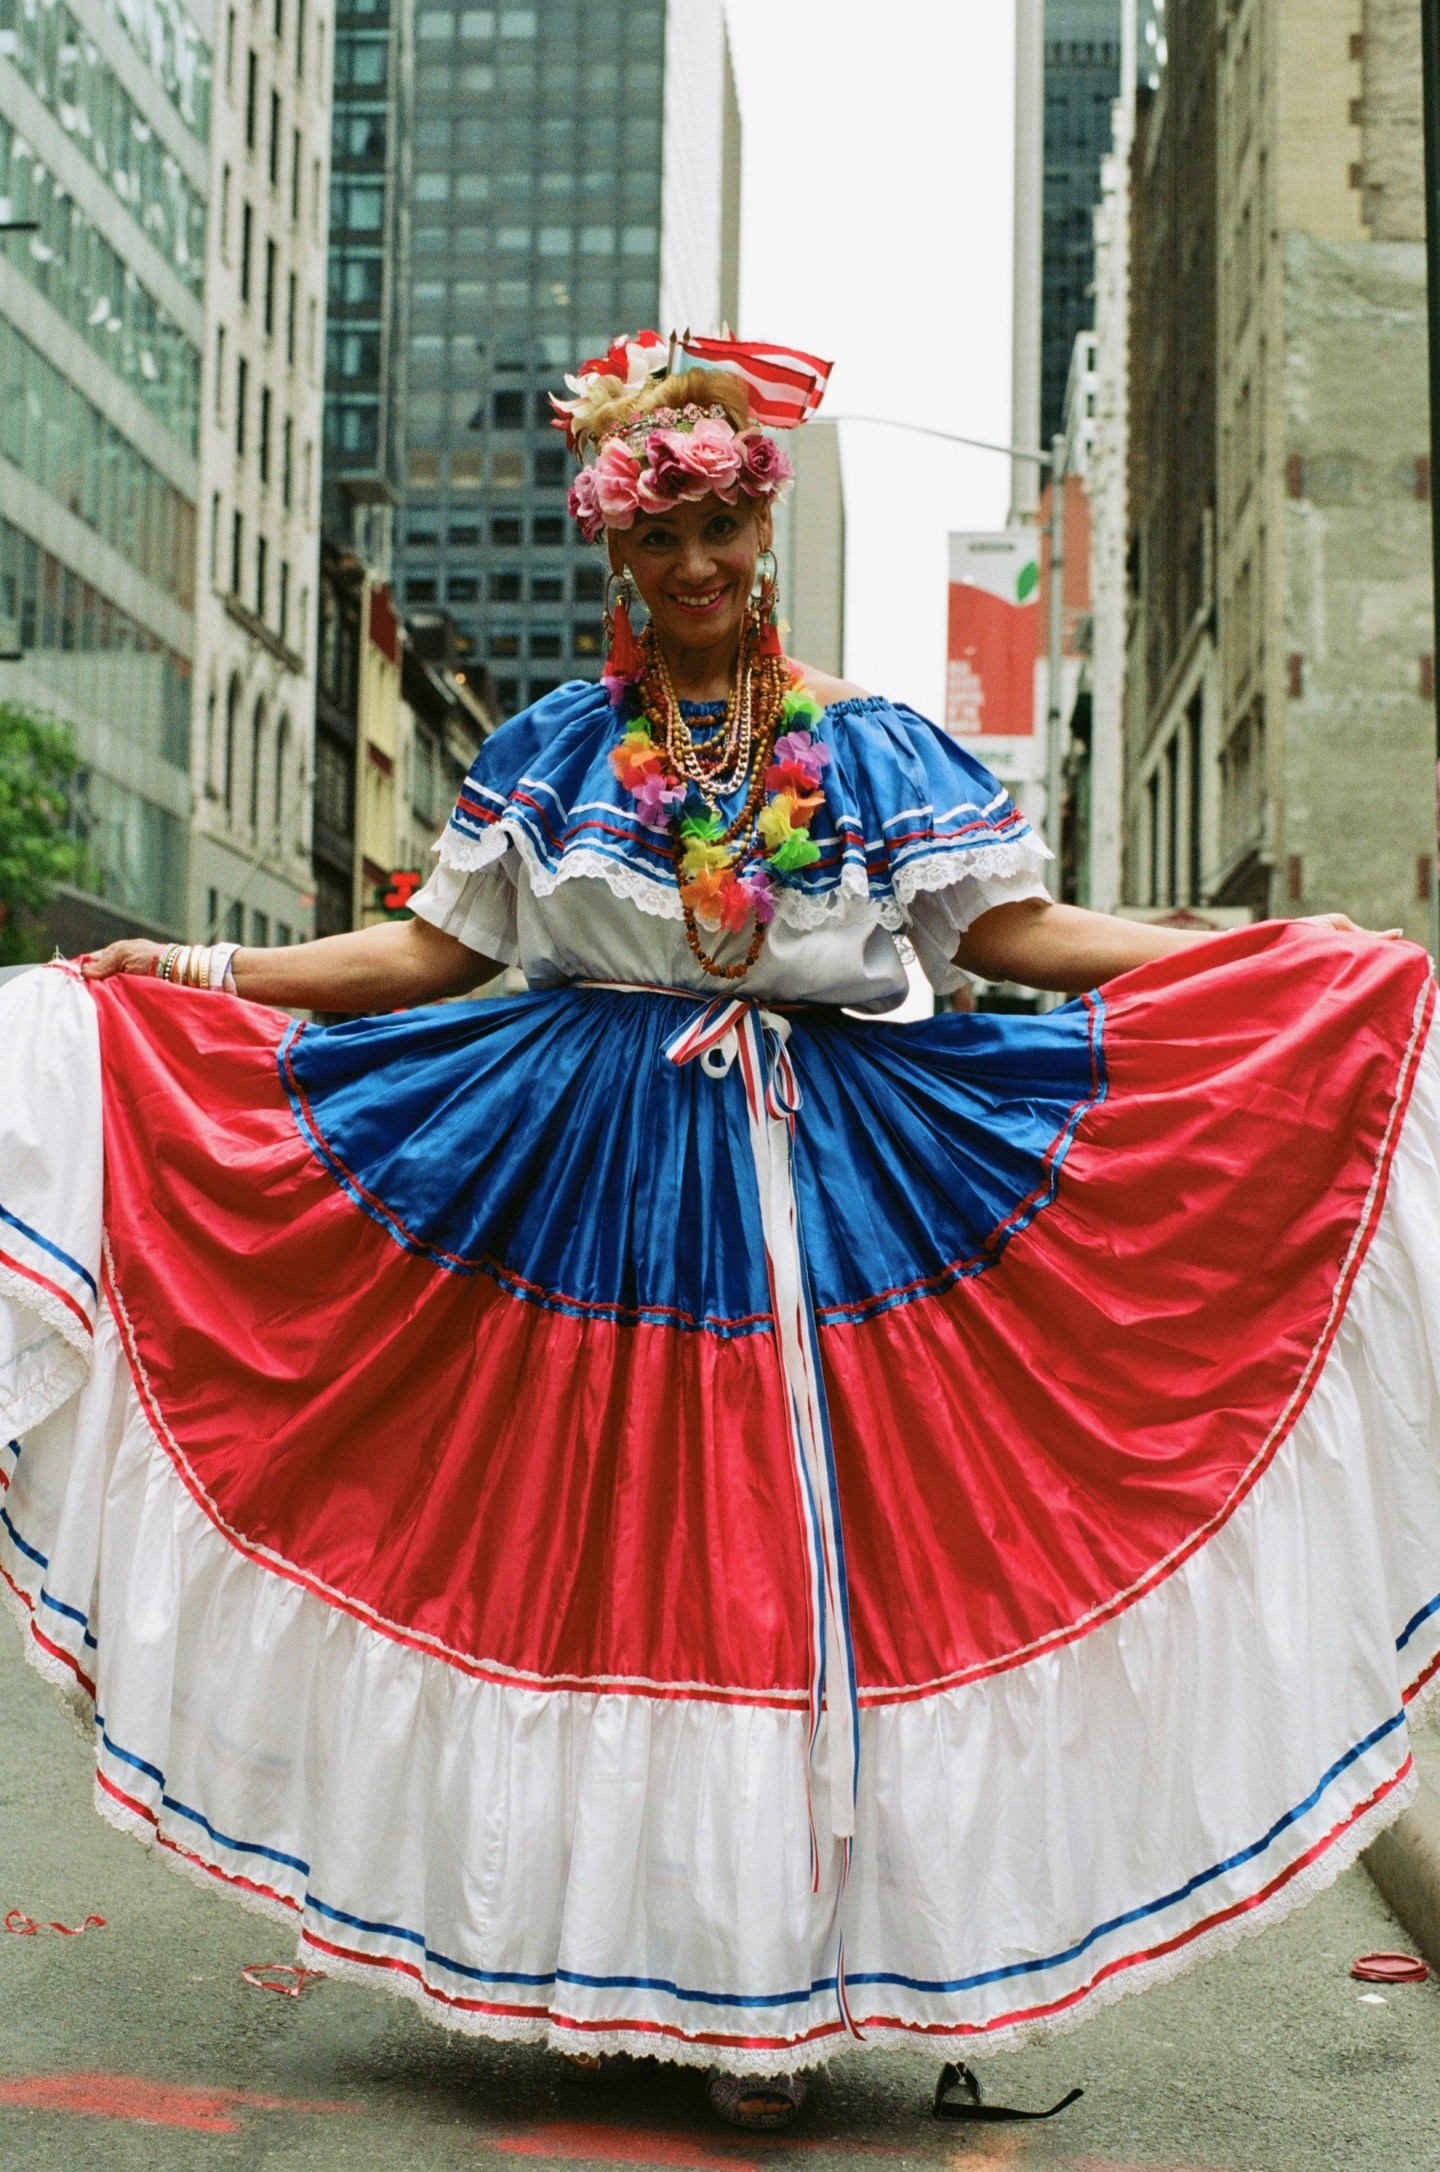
695 567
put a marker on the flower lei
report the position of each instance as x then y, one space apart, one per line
724 884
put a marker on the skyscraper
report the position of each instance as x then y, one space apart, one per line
104 133
260 473
1082 81
576 174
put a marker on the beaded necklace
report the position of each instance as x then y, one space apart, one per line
766 745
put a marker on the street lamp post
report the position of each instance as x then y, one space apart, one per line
1430 73
1055 664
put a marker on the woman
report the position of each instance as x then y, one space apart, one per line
660 1515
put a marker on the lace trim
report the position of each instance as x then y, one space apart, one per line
469 855
850 899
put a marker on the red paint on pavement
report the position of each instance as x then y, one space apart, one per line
146 2102
596 2142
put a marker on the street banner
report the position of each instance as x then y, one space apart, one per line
994 634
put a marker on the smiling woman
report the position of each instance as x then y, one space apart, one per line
679 1500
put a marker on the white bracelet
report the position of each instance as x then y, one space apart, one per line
220 958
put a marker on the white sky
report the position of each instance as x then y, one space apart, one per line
878 150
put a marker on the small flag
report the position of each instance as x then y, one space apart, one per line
786 386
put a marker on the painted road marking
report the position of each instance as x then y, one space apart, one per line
147 2102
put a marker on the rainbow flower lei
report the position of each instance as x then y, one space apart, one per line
723 884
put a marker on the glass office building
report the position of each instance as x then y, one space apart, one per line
103 145
1082 81
575 174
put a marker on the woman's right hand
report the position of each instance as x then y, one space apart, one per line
134 955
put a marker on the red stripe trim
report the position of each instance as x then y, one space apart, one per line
56 1651
30 1274
1158 1952
143 1811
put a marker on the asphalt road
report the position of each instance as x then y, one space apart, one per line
140 2046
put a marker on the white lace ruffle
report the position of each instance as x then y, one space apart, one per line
851 899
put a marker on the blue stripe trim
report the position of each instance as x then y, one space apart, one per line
196 1817
1417 1621
53 1249
686 1995
1150 1908
30 1553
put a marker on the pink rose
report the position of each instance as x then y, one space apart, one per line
617 483
711 451
765 467
669 475
584 506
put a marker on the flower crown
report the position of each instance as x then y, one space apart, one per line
663 457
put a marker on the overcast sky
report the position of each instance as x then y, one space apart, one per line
878 145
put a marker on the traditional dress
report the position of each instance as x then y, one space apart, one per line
721 1526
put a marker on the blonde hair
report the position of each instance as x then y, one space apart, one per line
610 404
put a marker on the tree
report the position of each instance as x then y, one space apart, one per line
37 848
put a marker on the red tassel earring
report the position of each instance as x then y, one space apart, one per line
768 641
623 659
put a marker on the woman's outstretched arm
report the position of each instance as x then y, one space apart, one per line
1068 949
374 969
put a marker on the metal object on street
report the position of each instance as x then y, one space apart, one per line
1430 74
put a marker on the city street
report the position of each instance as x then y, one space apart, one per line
139 2045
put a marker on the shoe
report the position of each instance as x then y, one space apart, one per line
757 2100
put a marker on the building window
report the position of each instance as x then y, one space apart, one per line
508 410
252 89
282 777
263 444
283 610
230 50
257 742
551 464
462 588
269 288
290 301
232 722
287 444
275 134
261 556
237 555
420 588
589 638
545 641
247 236
259 929
225 213
588 584
242 394
504 644
547 529
505 529
466 538
547 588
235 922
220 373
215 517
504 587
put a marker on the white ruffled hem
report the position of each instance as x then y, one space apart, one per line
850 900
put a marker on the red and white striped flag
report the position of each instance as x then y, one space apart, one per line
786 386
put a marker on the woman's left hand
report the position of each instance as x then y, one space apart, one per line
1344 925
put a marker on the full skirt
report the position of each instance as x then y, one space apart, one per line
873 1532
